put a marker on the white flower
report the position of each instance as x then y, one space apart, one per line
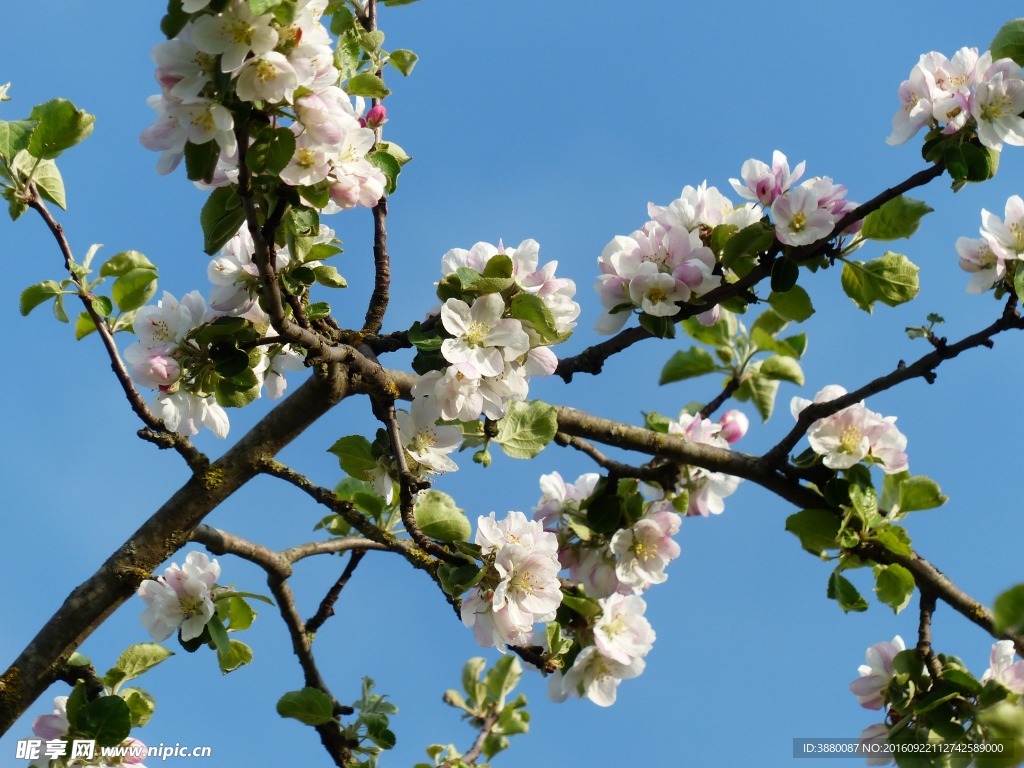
1005 236
597 677
234 33
482 337
515 528
799 220
645 549
266 78
560 499
181 598
874 677
978 258
1003 669
185 413
622 633
427 443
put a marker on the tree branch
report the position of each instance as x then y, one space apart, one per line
381 267
163 534
924 635
193 457
924 368
326 608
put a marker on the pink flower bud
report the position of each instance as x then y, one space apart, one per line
375 118
734 425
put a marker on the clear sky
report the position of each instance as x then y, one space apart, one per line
558 122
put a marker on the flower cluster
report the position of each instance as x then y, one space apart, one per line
667 260
968 91
519 584
1000 246
181 599
285 69
612 566
872 688
671 259
165 358
174 355
854 434
622 638
803 214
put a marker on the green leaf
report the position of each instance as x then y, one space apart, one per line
527 428
260 7
124 262
891 279
329 276
817 530
342 20
395 151
310 706
49 183
134 661
783 369
232 395
843 592
894 586
1009 610
794 304
747 242
439 518
61 125
389 167
236 611
175 19
687 364
894 538
403 60
903 493
471 684
134 288
355 456
425 343
456 579
1009 42
221 218
218 634
717 335
272 151
367 84
785 273
237 655
900 217
201 160
107 720
657 326
759 389
531 309
14 137
502 678
140 704
36 294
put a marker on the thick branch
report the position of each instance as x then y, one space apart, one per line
156 540
924 635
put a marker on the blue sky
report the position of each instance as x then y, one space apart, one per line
527 119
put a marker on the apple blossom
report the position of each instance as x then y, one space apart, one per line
762 184
643 550
481 337
560 500
1005 236
234 34
268 77
622 633
1003 669
978 258
428 444
596 677
799 218
181 598
874 678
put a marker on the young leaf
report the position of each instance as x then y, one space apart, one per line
107 720
891 279
894 586
1009 610
237 655
817 530
687 364
843 592
1009 42
36 294
900 217
439 518
134 661
355 456
782 368
794 304
221 218
310 706
526 429
403 60
367 84
61 125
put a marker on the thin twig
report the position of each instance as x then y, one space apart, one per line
381 268
730 388
665 475
326 608
924 368
193 457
